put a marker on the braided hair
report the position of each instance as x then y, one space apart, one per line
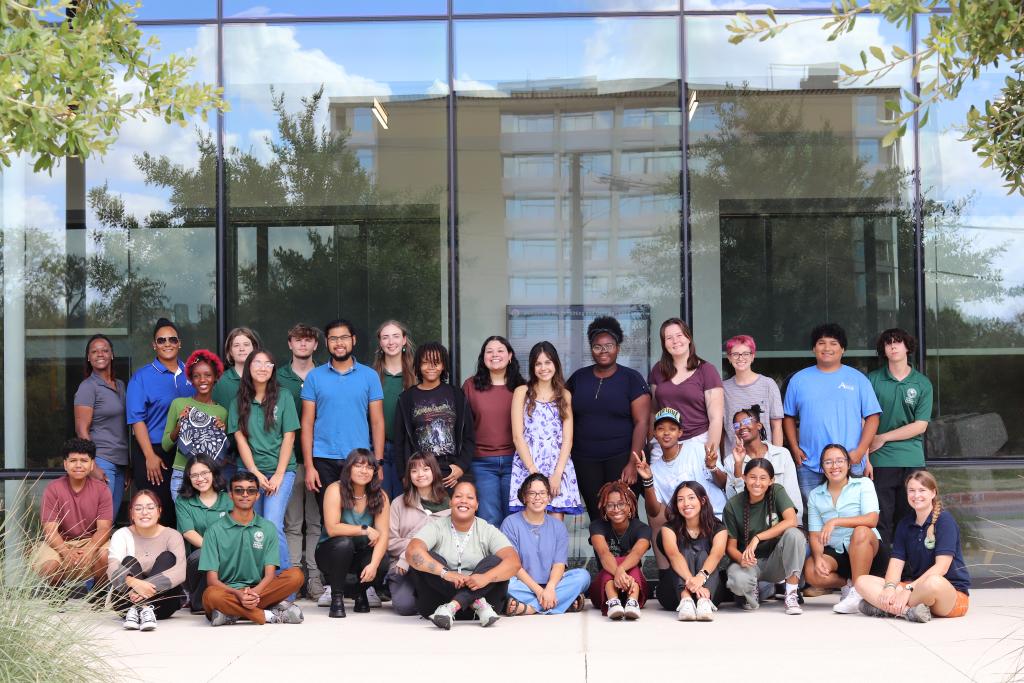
769 496
927 480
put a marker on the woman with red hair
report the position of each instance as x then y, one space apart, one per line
203 368
747 388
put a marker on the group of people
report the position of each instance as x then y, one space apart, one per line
391 482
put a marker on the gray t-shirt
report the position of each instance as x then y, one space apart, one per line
108 430
764 392
462 551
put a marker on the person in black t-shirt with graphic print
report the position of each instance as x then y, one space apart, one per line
434 417
620 541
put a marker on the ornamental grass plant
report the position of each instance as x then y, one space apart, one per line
44 634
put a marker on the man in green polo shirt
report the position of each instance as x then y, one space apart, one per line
302 512
240 556
898 449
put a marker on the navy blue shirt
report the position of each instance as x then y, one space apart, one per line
150 392
601 412
908 545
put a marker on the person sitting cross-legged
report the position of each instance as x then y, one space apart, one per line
77 515
543 585
240 556
146 565
461 562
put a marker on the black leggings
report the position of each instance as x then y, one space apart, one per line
162 490
591 475
195 580
164 604
432 591
340 556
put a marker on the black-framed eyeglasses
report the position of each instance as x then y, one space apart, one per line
339 338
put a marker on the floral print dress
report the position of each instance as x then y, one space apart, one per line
543 434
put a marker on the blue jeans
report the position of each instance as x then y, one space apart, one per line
272 509
177 477
808 480
392 483
493 478
574 582
115 480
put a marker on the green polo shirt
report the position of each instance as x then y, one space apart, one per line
392 386
194 516
287 379
179 404
266 444
239 553
225 391
902 403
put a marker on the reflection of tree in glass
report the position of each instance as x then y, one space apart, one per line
368 254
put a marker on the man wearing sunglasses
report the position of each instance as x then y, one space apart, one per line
240 558
150 392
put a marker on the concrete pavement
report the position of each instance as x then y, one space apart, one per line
765 645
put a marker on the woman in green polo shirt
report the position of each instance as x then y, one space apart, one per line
202 368
203 500
263 421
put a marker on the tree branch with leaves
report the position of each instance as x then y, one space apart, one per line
960 45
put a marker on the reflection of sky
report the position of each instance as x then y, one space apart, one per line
951 171
490 52
324 8
781 62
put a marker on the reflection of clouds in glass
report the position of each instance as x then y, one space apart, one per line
635 49
783 61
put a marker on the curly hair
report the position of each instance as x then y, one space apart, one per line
894 336
620 487
204 356
605 324
433 350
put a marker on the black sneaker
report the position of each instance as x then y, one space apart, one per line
869 610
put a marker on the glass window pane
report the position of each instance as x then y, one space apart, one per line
793 197
545 6
179 9
331 8
330 212
974 289
743 5
568 164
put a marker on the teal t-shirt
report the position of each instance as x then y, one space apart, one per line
264 443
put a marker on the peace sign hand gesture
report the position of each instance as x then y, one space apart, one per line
643 468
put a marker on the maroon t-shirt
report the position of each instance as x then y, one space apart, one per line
492 419
76 513
686 397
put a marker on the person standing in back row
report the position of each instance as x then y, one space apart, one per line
150 392
342 409
897 451
833 403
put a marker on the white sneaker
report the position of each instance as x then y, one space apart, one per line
325 598
373 598
632 609
850 604
131 619
845 591
615 610
147 619
705 610
686 610
793 603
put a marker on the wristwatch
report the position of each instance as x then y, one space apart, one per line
365 528
910 587
444 570
706 573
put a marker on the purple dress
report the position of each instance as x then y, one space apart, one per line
543 434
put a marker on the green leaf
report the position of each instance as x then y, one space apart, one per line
878 53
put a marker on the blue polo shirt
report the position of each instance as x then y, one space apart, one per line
908 545
831 407
150 392
857 498
342 402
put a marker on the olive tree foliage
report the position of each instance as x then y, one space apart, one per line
72 71
958 46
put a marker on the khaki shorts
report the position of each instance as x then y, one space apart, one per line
44 553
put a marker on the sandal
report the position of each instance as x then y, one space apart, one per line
514 608
578 604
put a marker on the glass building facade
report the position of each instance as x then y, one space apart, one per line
478 167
